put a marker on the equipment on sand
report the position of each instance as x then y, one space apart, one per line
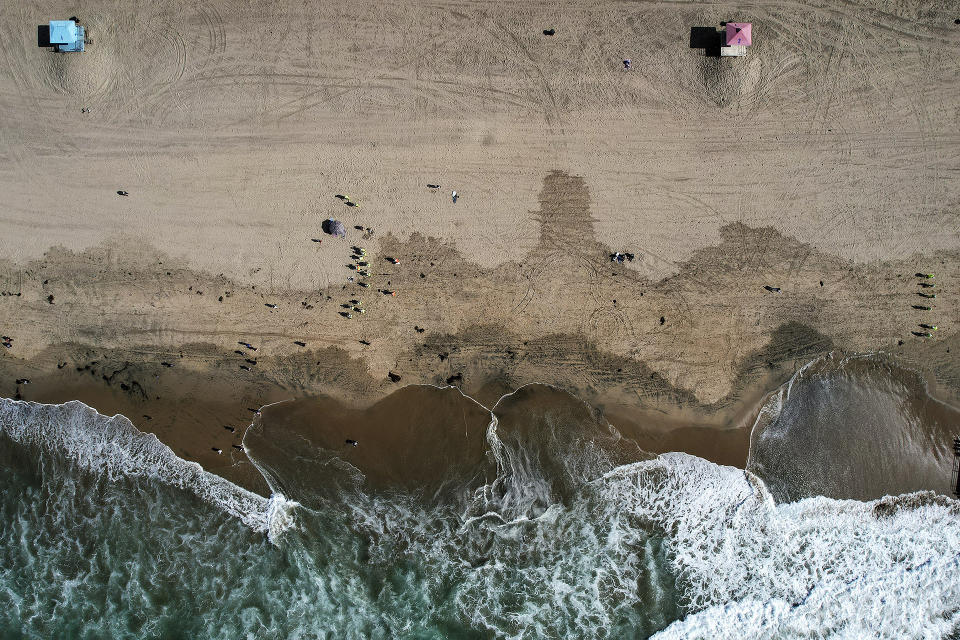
334 228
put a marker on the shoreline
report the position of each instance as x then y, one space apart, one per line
190 413
410 437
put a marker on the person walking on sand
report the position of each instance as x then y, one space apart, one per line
455 196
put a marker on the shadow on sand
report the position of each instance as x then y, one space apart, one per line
709 39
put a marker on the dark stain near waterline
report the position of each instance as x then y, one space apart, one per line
579 366
567 260
791 342
566 224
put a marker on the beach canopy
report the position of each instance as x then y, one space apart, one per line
63 32
738 34
334 228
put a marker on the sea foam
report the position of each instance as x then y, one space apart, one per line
112 447
749 568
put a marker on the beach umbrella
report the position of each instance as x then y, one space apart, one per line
334 228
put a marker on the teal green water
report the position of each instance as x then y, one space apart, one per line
104 533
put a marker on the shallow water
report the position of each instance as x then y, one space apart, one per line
853 427
534 521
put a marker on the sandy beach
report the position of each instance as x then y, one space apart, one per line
777 207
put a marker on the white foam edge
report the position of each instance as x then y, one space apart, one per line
114 448
754 569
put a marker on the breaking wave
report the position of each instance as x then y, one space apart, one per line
538 520
113 448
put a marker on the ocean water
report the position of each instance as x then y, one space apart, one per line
553 527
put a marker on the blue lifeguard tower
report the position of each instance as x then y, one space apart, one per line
66 35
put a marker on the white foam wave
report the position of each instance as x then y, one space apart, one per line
112 447
750 568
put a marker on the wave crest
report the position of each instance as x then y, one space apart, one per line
112 447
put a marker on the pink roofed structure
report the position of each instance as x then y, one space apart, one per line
738 34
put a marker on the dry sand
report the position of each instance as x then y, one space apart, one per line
824 163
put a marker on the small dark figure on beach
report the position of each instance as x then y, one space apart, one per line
924 275
549 32
921 307
626 63
239 353
237 446
316 240
219 451
630 257
352 443
250 361
147 417
245 367
771 289
394 377
299 343
272 306
50 298
926 295
433 186
23 381
926 285
229 428
122 193
166 364
341 197
921 334
254 411
365 342
662 320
